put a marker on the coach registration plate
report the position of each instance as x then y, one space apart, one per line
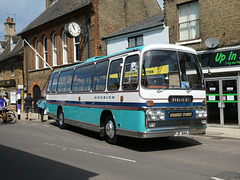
180 114
181 133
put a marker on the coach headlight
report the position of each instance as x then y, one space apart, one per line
201 113
155 115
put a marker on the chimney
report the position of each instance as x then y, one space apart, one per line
49 3
9 28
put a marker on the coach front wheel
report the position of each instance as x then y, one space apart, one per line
61 123
110 130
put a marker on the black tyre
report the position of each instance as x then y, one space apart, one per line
11 118
110 130
61 123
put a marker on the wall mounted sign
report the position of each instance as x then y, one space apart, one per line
219 59
8 83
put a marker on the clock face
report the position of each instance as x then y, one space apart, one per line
73 29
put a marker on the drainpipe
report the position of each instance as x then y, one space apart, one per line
88 39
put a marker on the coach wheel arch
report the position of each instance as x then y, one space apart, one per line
58 109
104 114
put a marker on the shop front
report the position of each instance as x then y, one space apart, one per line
221 69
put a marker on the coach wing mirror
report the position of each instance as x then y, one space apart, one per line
133 71
134 66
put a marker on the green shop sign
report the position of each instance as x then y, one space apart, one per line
218 59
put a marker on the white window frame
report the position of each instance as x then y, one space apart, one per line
45 51
36 55
54 49
76 50
65 47
188 21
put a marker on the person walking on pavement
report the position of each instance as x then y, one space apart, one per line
41 103
28 102
2 106
6 101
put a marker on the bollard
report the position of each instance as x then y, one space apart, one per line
19 104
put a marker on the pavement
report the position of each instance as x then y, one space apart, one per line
212 131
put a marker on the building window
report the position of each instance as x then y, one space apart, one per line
13 97
45 51
135 41
13 71
36 55
189 21
54 48
1 72
76 49
65 48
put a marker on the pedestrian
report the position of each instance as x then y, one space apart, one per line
6 101
2 106
41 103
28 102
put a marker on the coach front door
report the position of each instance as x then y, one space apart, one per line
222 101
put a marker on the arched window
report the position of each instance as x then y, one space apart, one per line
36 55
54 49
65 48
45 51
76 49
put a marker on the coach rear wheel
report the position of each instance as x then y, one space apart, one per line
110 130
61 123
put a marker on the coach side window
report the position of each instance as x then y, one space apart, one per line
130 83
82 79
54 83
100 76
114 75
65 81
49 84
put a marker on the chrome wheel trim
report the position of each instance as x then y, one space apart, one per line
110 129
60 119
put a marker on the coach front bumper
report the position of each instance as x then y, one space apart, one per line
163 132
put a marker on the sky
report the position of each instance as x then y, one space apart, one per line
23 13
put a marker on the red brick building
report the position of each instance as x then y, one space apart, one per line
97 18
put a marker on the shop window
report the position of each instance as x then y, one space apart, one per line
188 21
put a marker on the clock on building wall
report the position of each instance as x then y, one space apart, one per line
72 29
